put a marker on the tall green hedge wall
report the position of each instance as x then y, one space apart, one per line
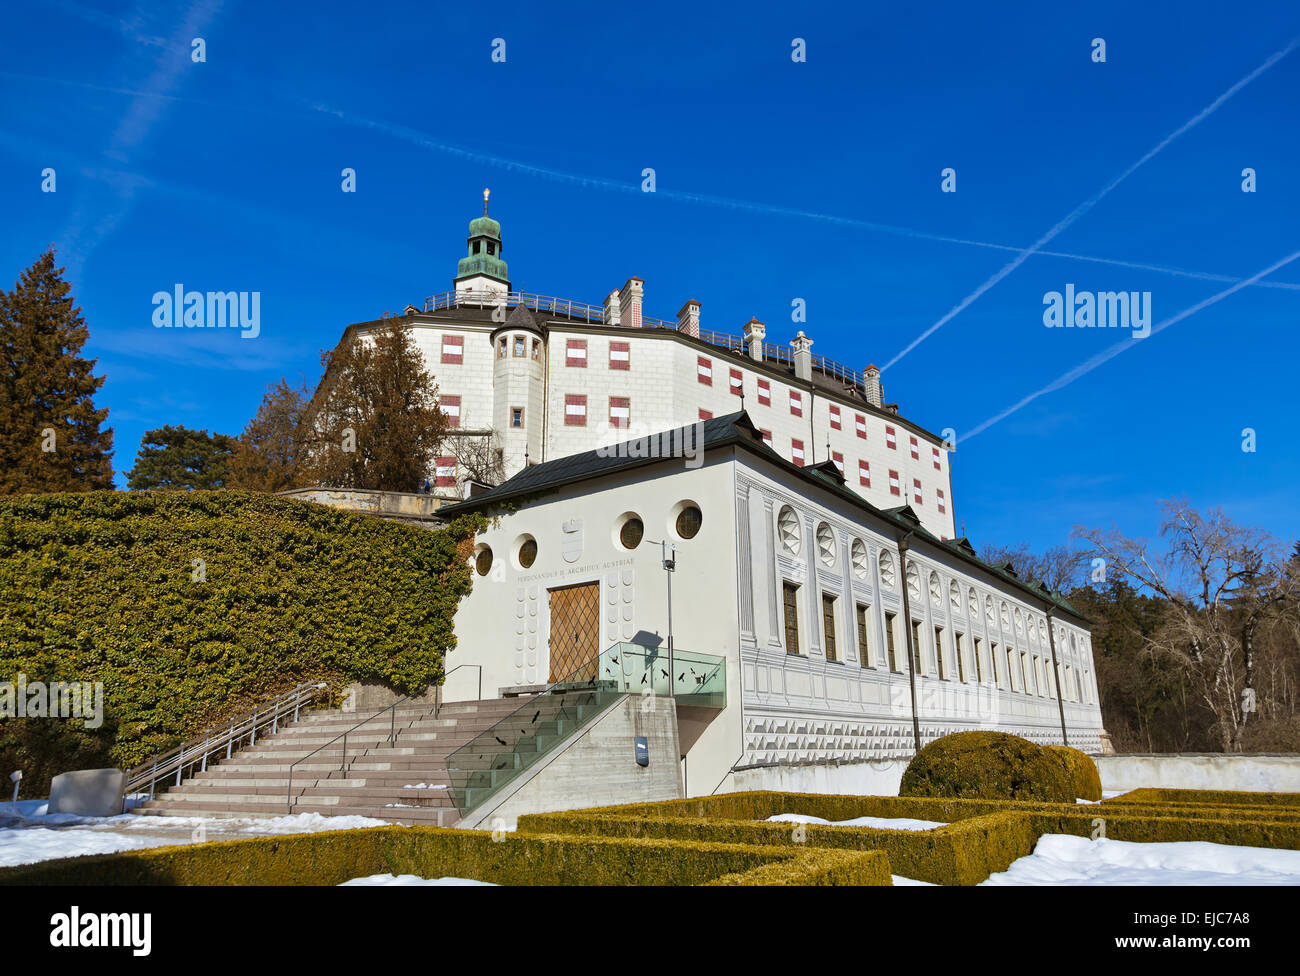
102 586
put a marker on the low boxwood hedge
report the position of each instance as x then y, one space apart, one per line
332 857
1216 798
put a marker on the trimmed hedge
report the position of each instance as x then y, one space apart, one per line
332 857
1082 770
1217 798
987 765
100 586
959 854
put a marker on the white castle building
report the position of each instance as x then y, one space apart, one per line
815 609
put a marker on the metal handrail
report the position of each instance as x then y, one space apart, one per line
198 749
392 739
478 697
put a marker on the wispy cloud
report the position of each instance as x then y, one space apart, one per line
1065 379
1092 201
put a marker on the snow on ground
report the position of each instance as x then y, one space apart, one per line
29 834
881 823
425 786
401 880
1060 859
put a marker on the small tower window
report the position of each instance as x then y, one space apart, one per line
477 245
519 346
492 248
516 416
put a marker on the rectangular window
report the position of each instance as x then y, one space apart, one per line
916 647
620 355
860 424
979 665
704 370
864 473
737 382
958 651
575 353
620 412
790 596
864 643
767 437
828 626
938 651
835 417
1026 672
916 490
516 416
764 393
796 403
894 487
453 350
889 642
942 503
1011 669
796 451
501 348
450 407
575 409
838 458
519 347
537 349
706 414
891 439
446 472
993 660
916 449
937 466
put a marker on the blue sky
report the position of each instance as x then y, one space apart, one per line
776 180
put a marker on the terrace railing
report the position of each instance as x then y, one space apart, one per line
493 759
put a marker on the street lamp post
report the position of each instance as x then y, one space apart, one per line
668 559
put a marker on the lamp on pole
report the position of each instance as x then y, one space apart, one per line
668 559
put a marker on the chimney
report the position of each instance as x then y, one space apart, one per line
754 334
802 347
871 382
629 300
688 318
612 309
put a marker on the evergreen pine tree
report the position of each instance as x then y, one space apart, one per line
51 437
178 458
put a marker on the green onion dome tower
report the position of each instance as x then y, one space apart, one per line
482 270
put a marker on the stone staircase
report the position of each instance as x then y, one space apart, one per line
406 782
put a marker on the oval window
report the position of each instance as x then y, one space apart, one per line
787 526
528 553
689 520
826 544
483 561
860 562
631 532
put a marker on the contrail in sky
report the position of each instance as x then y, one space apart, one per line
1092 201
1065 379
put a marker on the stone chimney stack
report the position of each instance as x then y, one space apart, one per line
755 332
688 319
875 392
629 300
802 347
612 309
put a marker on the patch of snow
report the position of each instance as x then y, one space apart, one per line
402 880
1060 859
425 786
902 882
880 823
29 834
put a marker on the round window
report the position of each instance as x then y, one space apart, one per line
631 532
528 553
689 520
483 561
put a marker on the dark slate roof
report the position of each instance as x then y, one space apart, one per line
737 428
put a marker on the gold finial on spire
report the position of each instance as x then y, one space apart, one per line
486 191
